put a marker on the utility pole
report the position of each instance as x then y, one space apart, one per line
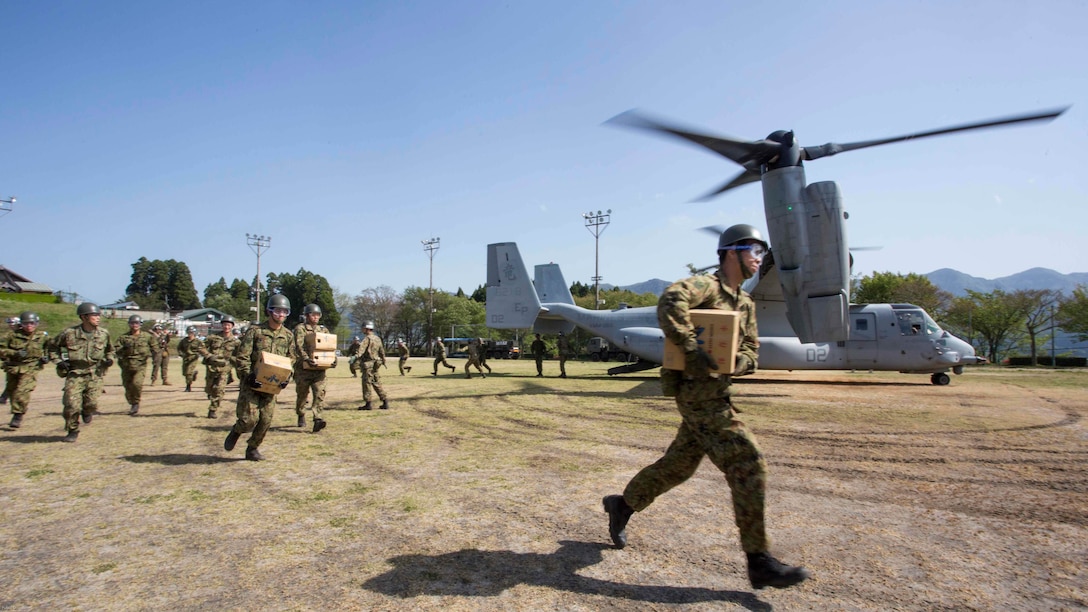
258 244
596 224
5 205
431 246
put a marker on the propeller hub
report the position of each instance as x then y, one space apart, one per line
788 154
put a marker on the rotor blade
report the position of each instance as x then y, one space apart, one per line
743 178
743 152
831 148
866 248
713 229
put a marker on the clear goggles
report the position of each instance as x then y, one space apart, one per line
757 250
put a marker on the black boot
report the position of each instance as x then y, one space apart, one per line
319 424
188 387
618 515
302 420
212 415
16 421
87 417
253 454
72 435
134 410
232 439
766 571
384 406
366 406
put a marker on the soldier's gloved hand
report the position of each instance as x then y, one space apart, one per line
311 361
21 353
44 359
107 362
283 385
251 380
334 362
698 364
744 366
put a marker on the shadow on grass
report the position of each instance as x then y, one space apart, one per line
180 459
480 573
30 439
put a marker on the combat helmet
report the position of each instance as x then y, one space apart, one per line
227 319
278 300
88 308
738 233
135 319
311 309
369 325
190 330
28 317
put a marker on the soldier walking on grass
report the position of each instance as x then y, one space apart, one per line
562 346
86 353
353 365
134 349
255 408
440 357
218 361
709 425
13 326
537 348
370 357
160 359
23 353
190 348
309 381
402 349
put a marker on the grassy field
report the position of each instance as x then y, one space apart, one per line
485 494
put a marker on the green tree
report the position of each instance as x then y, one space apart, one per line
992 319
480 294
304 288
162 285
1073 313
892 288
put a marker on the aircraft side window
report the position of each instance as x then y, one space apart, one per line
864 327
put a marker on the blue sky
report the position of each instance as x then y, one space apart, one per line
351 131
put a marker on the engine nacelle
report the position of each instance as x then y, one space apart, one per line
808 235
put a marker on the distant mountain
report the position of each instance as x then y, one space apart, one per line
957 283
655 286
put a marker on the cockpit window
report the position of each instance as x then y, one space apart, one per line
916 323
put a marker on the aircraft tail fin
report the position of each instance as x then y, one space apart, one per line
552 288
512 302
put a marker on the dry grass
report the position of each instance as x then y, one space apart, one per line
486 494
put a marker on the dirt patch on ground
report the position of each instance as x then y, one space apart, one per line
485 494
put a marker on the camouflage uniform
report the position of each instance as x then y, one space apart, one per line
537 348
133 352
190 350
255 409
353 364
709 424
22 355
370 357
402 348
218 359
308 381
440 357
160 360
89 355
474 360
562 346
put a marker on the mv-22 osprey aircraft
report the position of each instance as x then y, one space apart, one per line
810 258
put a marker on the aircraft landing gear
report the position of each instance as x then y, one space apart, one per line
940 378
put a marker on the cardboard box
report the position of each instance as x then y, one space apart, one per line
718 333
271 371
324 361
321 342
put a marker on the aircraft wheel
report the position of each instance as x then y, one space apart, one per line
939 378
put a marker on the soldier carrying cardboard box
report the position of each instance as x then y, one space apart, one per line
311 361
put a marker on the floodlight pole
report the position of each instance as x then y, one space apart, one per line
5 205
596 224
258 244
431 246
